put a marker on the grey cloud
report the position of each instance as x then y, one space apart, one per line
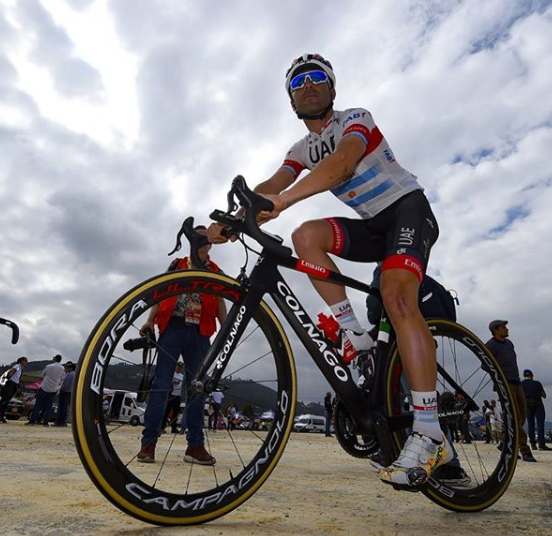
50 41
76 78
8 73
80 5
7 31
54 49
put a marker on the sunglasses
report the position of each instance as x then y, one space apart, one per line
316 77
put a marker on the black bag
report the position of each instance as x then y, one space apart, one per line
434 300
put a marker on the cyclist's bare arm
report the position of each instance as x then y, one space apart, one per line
282 179
328 173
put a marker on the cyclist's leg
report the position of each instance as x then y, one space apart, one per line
411 230
314 241
399 289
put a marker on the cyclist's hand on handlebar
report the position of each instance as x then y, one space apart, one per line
216 236
279 206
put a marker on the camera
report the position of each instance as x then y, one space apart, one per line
140 343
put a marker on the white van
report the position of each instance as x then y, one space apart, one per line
123 407
310 423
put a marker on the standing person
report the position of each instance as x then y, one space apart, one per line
51 382
503 349
65 393
185 324
534 394
328 412
494 414
12 383
347 155
231 414
486 416
464 420
175 399
216 397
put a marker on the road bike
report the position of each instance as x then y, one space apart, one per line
251 361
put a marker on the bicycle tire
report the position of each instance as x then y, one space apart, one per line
470 364
108 455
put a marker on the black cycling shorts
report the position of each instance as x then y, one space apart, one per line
401 235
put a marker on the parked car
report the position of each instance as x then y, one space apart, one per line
309 423
124 407
14 410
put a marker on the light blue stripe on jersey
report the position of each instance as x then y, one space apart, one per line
378 190
358 181
360 135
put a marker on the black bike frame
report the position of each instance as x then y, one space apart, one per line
265 278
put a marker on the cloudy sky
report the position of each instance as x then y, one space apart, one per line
118 118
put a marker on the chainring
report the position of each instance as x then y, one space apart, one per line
348 436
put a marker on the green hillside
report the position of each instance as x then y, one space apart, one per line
244 394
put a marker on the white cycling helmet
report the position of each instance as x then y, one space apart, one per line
316 60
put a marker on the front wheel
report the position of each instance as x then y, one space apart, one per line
467 375
259 379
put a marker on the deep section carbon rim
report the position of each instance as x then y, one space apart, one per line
259 380
467 375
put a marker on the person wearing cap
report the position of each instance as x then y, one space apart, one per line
503 350
345 153
534 393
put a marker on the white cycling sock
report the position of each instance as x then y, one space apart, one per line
426 415
344 314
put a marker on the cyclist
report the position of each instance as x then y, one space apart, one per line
347 154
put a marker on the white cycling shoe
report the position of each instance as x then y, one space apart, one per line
419 457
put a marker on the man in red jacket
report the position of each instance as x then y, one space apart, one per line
185 324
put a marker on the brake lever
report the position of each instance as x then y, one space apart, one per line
178 239
232 205
13 326
196 241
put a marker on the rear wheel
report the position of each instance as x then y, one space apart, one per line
466 366
260 381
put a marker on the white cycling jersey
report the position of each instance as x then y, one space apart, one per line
378 180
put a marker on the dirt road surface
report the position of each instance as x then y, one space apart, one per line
317 489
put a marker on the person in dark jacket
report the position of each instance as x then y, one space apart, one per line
534 394
503 349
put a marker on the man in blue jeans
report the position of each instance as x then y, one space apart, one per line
51 382
534 393
185 324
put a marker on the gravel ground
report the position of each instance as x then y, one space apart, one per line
317 489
